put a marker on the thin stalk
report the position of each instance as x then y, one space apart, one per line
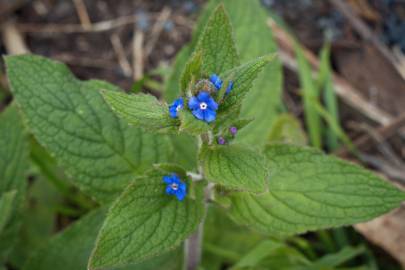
193 249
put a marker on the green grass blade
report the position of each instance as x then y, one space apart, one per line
309 92
329 96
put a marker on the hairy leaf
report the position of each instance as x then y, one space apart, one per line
234 167
140 110
309 190
72 121
144 222
216 44
191 125
186 150
192 71
71 249
243 77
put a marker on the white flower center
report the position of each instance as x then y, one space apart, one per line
175 186
178 108
203 105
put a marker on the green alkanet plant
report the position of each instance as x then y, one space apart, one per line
119 149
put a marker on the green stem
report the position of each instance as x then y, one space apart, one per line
193 245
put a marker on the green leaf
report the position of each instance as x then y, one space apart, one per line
253 39
191 72
336 259
219 232
243 78
14 162
38 219
172 85
71 249
186 151
72 121
287 129
216 44
144 222
191 125
6 207
141 110
234 167
309 191
261 251
14 153
168 168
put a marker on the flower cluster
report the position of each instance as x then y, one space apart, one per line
175 187
202 106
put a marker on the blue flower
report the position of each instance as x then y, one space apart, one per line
175 187
216 81
175 107
203 107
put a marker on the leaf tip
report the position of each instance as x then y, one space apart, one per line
220 7
271 56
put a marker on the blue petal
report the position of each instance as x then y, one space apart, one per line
178 102
183 187
199 114
180 195
170 191
175 179
172 112
203 96
209 116
230 87
193 103
216 81
167 179
173 107
212 104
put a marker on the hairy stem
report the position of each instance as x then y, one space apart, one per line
195 176
193 249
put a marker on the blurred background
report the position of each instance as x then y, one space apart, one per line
349 54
